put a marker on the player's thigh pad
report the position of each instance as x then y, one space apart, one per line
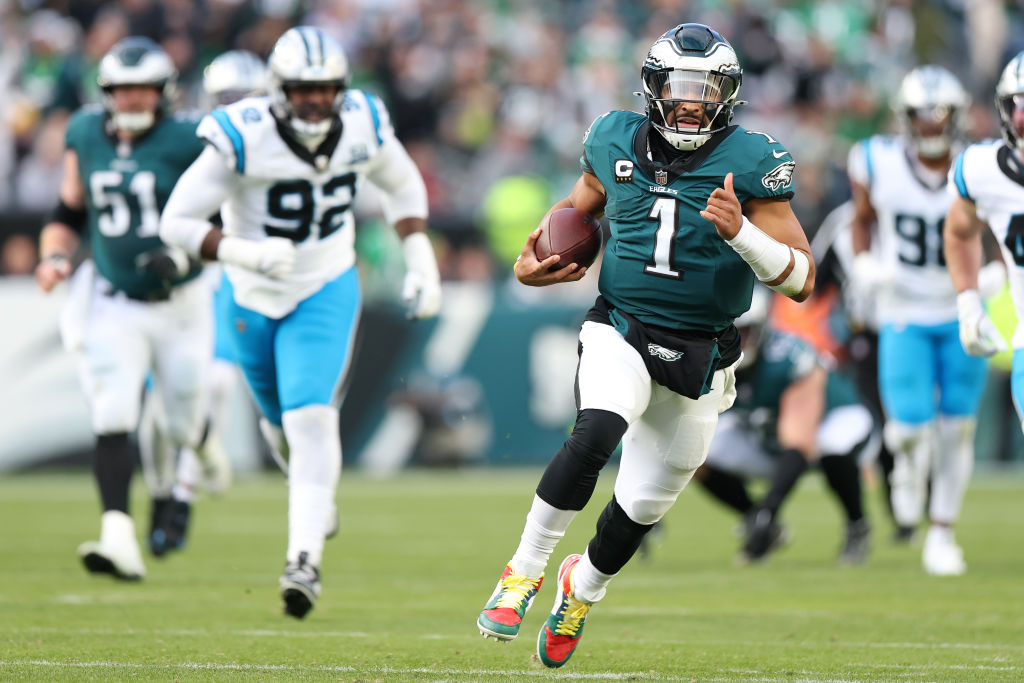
663 448
314 344
738 450
844 428
611 375
961 377
907 367
115 359
182 337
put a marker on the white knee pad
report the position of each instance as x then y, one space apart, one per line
911 447
952 466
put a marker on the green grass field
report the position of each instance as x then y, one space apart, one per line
417 557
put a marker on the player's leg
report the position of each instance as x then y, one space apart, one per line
115 358
1017 384
613 387
735 456
961 384
312 351
157 455
844 433
907 377
660 452
181 333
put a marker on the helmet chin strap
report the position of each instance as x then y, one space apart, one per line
934 147
133 121
309 133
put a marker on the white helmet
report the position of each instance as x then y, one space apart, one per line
1010 96
933 96
136 61
306 56
691 63
233 76
752 322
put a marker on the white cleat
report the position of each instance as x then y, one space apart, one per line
942 556
117 552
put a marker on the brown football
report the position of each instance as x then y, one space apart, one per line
572 234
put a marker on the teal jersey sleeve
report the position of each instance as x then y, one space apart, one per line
769 171
84 125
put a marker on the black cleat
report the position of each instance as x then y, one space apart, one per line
171 528
764 535
157 537
857 545
300 587
904 534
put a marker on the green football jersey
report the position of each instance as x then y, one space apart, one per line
126 187
665 264
782 360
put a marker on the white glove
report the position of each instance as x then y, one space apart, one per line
273 256
978 334
421 290
869 274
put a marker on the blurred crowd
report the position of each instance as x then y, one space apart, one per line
492 97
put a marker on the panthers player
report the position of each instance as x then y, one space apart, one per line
697 208
231 76
144 310
930 387
790 413
987 180
286 168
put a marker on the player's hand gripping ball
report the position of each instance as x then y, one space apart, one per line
572 234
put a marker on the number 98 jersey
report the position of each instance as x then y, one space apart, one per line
282 189
990 175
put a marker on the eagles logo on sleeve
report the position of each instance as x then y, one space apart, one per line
780 176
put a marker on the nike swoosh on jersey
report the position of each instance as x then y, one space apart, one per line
779 155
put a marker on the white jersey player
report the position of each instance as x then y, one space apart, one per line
900 201
283 171
987 182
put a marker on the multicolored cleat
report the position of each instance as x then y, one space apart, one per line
564 628
503 614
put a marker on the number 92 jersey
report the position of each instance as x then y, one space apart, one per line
990 175
282 189
665 264
910 210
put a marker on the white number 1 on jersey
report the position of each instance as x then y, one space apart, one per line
665 211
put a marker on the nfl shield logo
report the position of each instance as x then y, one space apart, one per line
661 177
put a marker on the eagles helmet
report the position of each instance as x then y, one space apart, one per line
305 55
751 324
931 107
1009 97
691 63
136 61
233 76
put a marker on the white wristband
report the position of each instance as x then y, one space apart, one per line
239 252
419 256
769 258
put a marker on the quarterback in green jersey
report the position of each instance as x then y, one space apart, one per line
697 208
141 309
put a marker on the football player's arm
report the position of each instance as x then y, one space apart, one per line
60 237
801 408
185 222
405 206
587 195
864 218
961 246
767 235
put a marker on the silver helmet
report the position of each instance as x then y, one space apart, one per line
233 76
136 61
304 56
1009 97
691 63
931 107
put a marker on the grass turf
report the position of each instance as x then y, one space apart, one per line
417 557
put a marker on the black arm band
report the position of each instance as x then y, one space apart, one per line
71 217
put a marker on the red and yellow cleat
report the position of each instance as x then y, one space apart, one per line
564 628
503 614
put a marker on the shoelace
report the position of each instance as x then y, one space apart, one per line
515 589
573 614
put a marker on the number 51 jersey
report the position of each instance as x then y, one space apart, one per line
282 189
990 175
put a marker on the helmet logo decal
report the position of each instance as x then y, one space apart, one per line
779 177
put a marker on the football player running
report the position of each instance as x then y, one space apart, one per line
143 309
790 413
930 387
697 208
231 76
987 181
286 168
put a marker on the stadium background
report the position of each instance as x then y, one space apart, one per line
491 98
